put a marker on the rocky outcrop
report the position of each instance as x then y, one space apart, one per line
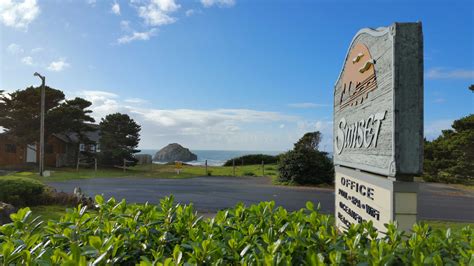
174 152
143 158
5 211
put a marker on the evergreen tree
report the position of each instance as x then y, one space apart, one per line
74 117
20 115
119 138
309 140
450 157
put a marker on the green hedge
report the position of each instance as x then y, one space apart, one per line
172 234
20 191
252 159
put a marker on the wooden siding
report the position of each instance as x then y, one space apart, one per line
11 158
56 148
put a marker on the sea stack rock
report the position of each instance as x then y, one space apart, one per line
174 152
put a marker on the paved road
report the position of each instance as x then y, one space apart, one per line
210 194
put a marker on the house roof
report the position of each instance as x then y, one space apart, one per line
72 137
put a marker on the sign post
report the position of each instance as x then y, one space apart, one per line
178 166
378 127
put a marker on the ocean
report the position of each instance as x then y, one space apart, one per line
214 157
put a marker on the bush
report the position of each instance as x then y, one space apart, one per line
51 196
20 191
306 166
249 174
173 234
252 159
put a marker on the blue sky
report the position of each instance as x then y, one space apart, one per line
225 74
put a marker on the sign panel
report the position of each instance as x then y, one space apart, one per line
362 196
358 200
378 127
378 102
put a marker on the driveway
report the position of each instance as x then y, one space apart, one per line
210 194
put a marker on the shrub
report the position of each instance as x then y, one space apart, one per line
20 191
249 174
305 166
51 196
253 159
173 234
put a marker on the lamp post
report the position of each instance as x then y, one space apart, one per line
41 162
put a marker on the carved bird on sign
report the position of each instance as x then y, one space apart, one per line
357 58
366 66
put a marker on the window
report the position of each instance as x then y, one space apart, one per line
10 148
92 148
82 147
97 148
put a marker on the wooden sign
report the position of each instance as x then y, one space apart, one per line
378 127
378 102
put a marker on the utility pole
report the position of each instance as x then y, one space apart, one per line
41 161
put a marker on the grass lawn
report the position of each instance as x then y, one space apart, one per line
246 170
447 224
463 187
154 171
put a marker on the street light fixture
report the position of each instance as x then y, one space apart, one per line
41 162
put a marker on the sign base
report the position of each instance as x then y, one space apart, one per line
362 196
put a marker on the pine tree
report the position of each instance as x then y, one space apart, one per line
20 115
119 138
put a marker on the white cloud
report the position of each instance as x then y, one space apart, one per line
115 8
307 105
433 129
142 36
58 65
18 14
125 25
104 103
211 129
308 126
36 50
190 12
157 12
27 60
220 3
166 5
14 49
135 101
91 2
282 126
153 16
443 73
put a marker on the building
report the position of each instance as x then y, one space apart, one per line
60 150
